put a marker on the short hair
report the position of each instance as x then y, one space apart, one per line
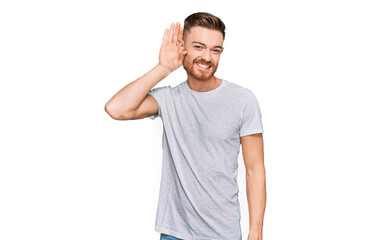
204 19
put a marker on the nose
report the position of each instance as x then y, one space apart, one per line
206 55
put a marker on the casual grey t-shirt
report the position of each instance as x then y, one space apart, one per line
198 197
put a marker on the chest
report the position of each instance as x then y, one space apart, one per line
207 119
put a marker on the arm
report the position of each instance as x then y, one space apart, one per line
126 101
130 97
253 155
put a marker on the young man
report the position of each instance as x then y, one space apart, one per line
205 120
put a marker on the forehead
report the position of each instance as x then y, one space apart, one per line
207 36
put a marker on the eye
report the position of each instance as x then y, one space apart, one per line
217 50
198 47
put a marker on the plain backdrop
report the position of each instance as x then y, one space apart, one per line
70 171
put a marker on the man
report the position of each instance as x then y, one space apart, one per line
205 120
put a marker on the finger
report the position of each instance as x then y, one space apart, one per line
176 36
179 43
180 49
171 35
165 37
181 34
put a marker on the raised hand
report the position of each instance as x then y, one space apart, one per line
172 49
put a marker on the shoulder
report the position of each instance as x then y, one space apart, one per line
160 90
166 91
177 89
240 91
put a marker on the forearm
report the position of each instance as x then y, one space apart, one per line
130 97
256 196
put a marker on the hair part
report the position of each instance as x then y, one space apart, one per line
204 19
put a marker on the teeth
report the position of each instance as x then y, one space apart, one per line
203 66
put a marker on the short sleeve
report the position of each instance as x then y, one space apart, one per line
252 117
159 94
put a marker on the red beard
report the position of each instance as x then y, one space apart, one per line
194 71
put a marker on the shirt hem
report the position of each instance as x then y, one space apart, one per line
250 132
159 113
179 235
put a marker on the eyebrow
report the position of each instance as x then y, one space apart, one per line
203 44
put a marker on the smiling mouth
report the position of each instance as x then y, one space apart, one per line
203 66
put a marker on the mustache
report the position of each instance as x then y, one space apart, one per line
203 62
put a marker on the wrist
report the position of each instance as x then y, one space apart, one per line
164 68
254 236
255 231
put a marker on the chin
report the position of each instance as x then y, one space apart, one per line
200 76
203 77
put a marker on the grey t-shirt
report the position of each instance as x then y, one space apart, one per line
198 197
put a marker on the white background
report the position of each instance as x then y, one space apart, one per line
70 171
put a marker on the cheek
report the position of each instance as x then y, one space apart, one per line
216 59
188 62
189 57
192 54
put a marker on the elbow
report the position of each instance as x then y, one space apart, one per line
112 111
258 170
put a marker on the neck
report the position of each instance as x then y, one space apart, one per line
203 85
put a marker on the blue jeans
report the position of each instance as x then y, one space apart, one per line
168 237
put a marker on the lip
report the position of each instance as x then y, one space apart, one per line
203 69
